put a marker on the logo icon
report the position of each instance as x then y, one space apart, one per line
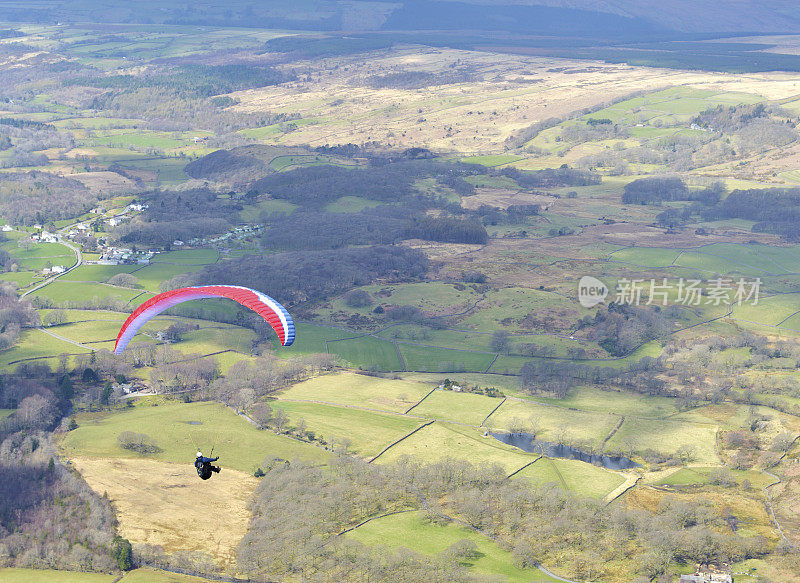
591 291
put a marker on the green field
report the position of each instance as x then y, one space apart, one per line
666 436
433 359
152 276
311 339
584 428
360 391
143 575
350 204
608 401
455 406
21 279
366 352
218 337
444 440
414 531
80 292
187 257
574 476
367 432
36 344
96 273
251 213
51 576
172 426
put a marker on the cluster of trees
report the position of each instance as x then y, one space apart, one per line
419 79
384 180
705 370
593 131
190 79
446 229
758 126
657 190
311 275
322 230
25 139
728 133
299 510
560 376
239 165
49 517
515 214
525 135
14 316
33 197
775 210
139 442
620 328
179 215
247 382
550 177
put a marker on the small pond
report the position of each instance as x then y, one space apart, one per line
527 442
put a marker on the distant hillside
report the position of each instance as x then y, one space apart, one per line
690 15
594 18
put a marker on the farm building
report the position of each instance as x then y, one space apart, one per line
708 574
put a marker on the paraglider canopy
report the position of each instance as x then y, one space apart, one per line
274 313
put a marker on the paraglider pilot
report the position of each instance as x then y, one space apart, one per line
204 467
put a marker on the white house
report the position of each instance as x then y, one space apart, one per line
54 270
7 228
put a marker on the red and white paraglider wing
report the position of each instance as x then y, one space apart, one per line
274 313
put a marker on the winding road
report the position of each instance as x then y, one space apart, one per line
51 279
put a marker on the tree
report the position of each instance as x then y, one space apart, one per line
279 420
55 318
124 280
106 394
501 341
261 413
36 411
139 442
122 552
89 376
357 298
66 390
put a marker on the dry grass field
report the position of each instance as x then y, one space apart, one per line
105 182
166 504
508 93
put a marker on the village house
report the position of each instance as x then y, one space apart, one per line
709 574
46 237
54 270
